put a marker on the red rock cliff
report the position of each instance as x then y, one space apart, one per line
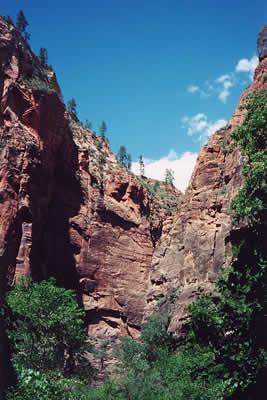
188 259
67 209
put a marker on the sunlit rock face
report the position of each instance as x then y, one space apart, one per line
189 258
60 213
262 43
67 208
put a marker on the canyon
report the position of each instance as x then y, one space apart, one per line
68 209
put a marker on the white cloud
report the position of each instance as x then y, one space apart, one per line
182 167
245 65
225 92
195 124
223 95
202 92
199 124
225 82
221 86
193 89
222 78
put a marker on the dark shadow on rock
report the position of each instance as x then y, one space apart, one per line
108 216
95 316
52 252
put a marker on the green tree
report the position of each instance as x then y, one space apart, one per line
169 176
88 125
141 165
123 157
32 383
43 56
21 22
151 369
103 129
72 106
129 161
27 36
46 330
154 336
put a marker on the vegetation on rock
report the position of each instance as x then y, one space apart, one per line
103 129
43 56
124 158
169 177
72 106
223 354
21 22
141 165
251 136
231 322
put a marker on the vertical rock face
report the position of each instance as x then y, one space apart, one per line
189 258
262 43
67 209
35 143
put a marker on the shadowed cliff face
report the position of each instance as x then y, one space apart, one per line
67 209
38 160
190 256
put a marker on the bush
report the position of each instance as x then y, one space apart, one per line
32 384
231 323
46 329
152 370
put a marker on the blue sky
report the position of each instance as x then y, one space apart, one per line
163 74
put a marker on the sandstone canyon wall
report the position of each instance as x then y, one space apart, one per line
69 210
188 259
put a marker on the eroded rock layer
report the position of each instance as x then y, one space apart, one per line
188 259
67 208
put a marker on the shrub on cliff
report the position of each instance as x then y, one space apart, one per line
232 322
21 25
21 22
72 107
251 136
141 165
169 176
43 56
103 129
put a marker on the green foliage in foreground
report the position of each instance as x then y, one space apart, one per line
150 369
46 329
48 338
